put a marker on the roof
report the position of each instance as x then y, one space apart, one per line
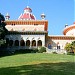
61 37
27 14
68 28
28 8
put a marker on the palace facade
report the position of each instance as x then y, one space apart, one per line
26 32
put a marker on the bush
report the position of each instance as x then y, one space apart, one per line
5 52
23 51
70 53
42 49
68 47
34 50
54 52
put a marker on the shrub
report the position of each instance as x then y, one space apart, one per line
42 49
68 47
5 52
70 53
23 51
34 50
54 52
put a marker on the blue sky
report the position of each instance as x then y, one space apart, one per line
58 12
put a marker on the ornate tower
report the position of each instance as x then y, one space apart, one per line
43 16
7 17
27 14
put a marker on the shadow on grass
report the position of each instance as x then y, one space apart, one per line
63 68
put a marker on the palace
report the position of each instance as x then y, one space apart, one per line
26 32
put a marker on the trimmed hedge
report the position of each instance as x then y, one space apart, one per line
42 49
34 50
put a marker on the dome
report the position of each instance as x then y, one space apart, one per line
69 30
28 9
43 16
27 15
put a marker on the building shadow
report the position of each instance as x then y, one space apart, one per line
62 68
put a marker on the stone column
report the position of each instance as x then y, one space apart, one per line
19 42
13 43
25 44
36 44
30 43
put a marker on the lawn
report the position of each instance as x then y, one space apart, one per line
37 64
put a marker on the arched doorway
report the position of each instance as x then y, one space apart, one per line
16 43
58 45
49 46
10 42
33 43
7 41
28 43
39 43
22 43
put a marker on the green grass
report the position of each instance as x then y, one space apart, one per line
37 64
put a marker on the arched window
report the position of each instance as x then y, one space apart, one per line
22 43
16 43
10 42
58 45
33 43
39 43
49 46
28 43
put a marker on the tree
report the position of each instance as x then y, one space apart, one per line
68 47
3 30
73 44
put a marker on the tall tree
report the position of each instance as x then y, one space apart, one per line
3 30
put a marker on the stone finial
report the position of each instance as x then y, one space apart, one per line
43 16
66 25
7 17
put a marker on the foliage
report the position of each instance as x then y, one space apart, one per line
2 42
73 44
54 52
22 51
34 50
3 30
68 47
42 49
1 18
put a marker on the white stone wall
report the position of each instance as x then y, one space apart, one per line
27 37
62 43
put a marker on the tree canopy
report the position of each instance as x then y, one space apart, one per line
1 19
70 47
3 30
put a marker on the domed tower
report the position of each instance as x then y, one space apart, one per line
7 16
27 14
27 10
43 16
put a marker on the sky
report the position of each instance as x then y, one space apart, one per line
58 12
